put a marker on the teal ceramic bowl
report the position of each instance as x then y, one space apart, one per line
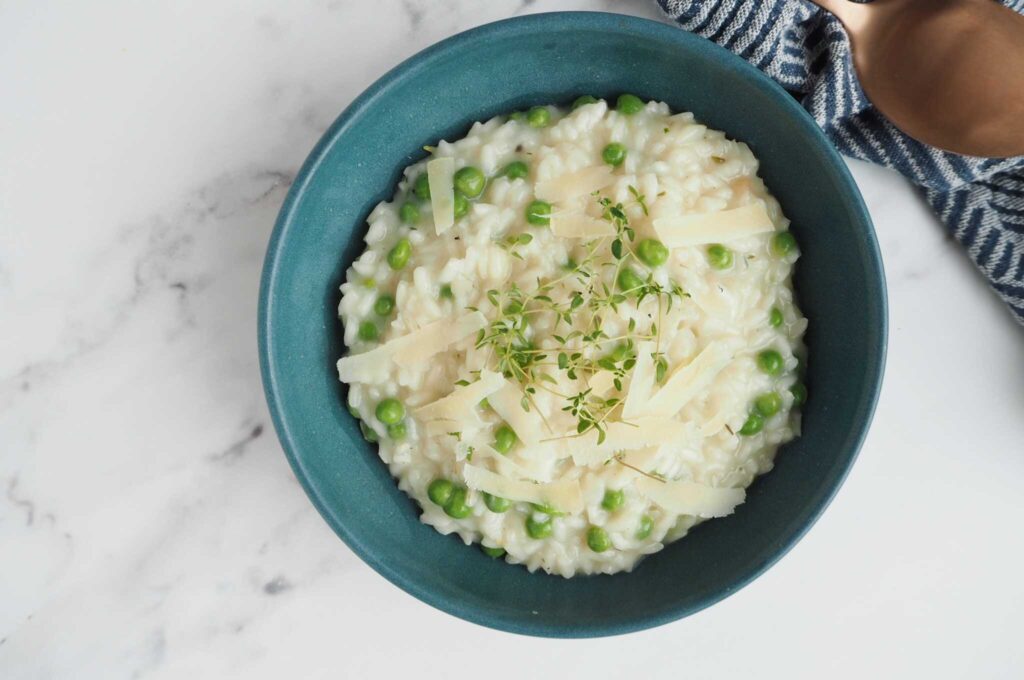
438 94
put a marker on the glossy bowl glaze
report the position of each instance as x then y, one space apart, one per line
552 58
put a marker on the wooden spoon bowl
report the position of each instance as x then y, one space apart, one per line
949 73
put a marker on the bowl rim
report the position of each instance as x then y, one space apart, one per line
353 112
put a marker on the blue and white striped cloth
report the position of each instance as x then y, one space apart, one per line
981 201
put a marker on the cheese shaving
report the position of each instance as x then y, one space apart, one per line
563 495
717 227
578 225
508 467
641 459
508 403
690 498
713 425
602 383
622 436
641 384
440 174
574 184
441 334
373 366
462 399
688 381
437 428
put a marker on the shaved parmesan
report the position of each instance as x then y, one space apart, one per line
641 384
717 227
602 383
621 436
437 336
440 173
564 495
580 183
373 366
642 459
578 225
507 467
690 498
437 428
713 425
463 399
368 367
508 403
688 381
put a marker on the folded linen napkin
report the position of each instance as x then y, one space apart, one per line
806 50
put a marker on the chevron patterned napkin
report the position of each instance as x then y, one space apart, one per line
805 49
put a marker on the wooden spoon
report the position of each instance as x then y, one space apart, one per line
949 73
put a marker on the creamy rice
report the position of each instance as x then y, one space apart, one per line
680 168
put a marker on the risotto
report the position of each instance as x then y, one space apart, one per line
573 334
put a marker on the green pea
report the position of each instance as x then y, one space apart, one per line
613 500
538 213
384 305
536 528
516 170
597 539
493 553
517 116
799 392
775 317
440 491
768 404
446 292
369 434
461 204
390 411
409 213
421 187
538 117
614 154
496 503
783 243
628 104
770 361
504 439
469 181
629 280
456 507
652 252
397 431
645 527
399 256
753 425
719 257
368 331
583 101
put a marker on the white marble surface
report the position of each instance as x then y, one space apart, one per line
149 524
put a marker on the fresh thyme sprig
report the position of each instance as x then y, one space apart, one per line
580 299
621 460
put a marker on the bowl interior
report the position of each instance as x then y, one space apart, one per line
438 94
